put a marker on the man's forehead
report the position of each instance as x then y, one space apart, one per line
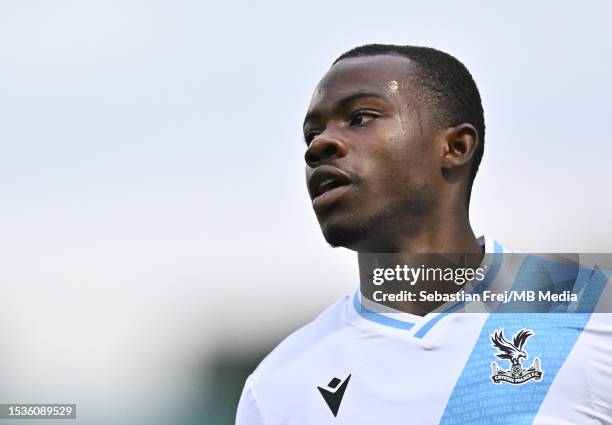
387 74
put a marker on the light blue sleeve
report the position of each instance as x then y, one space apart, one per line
249 412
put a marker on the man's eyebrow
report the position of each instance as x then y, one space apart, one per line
347 100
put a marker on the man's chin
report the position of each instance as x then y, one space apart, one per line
359 233
342 235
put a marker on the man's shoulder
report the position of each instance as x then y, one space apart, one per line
306 344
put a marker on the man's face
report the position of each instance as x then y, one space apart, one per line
371 164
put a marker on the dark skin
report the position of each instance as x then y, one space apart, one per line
384 178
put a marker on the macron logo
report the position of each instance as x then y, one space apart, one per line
334 398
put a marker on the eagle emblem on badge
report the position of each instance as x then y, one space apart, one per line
515 353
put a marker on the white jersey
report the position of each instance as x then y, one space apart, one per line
354 366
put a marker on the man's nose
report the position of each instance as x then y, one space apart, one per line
323 148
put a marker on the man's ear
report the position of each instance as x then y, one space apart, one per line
459 145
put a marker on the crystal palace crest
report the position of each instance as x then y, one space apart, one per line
515 354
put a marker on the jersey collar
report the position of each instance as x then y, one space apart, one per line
365 312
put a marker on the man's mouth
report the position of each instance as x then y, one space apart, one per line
326 184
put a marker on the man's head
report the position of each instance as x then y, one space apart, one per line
395 135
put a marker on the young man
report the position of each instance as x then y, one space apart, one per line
394 136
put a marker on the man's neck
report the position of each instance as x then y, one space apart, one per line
458 244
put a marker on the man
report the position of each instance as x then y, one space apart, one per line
394 136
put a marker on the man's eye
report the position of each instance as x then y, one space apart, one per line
362 118
309 137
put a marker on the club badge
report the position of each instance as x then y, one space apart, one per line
515 354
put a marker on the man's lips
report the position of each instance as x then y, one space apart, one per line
325 184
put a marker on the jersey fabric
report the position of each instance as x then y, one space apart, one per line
355 366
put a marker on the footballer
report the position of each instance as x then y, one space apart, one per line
395 136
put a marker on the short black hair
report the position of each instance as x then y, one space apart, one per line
445 83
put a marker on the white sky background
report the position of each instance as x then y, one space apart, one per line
154 209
